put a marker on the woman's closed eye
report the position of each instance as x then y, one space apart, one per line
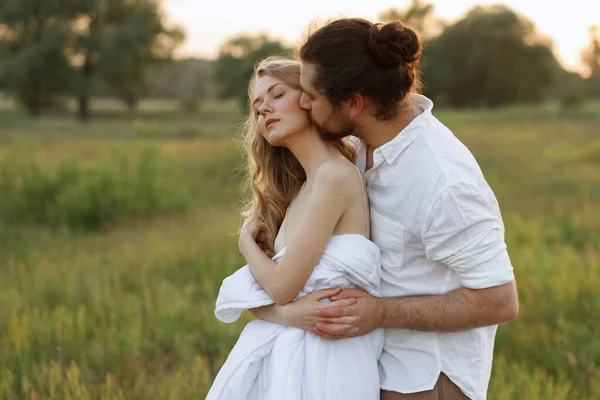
275 97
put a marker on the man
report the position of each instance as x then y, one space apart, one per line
447 278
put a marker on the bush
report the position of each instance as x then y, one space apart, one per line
81 197
573 99
146 129
189 104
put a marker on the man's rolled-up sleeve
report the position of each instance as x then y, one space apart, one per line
464 230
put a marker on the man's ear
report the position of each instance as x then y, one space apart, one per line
355 104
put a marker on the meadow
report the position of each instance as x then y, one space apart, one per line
116 235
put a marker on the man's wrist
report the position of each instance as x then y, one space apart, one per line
381 312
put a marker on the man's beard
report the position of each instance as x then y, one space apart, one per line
347 128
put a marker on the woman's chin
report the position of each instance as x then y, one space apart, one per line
276 139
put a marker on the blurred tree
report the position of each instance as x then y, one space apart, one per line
491 57
569 89
190 78
237 56
419 16
33 36
591 59
48 47
117 40
84 53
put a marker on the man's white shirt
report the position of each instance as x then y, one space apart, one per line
439 227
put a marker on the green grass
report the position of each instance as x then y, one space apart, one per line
125 310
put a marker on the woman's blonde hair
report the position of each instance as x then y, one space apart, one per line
274 174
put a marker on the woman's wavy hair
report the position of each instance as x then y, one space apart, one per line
274 175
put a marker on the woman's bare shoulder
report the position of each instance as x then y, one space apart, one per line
341 176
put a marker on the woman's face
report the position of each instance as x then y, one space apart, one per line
278 111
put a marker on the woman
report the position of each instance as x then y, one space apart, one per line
310 204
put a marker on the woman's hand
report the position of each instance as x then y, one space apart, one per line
250 233
301 313
250 228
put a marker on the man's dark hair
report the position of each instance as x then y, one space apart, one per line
353 55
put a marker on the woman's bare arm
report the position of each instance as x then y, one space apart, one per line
329 199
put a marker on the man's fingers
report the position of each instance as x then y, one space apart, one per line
335 329
324 294
336 311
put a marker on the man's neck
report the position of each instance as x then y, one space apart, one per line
376 133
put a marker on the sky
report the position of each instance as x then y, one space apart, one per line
208 23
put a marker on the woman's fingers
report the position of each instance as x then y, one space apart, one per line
341 320
338 309
262 237
324 294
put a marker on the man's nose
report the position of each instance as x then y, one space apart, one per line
305 102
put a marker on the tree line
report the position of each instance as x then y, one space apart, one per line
491 57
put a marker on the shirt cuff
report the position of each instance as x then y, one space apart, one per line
496 272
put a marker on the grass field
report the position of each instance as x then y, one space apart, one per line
115 236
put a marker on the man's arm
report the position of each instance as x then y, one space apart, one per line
464 231
458 310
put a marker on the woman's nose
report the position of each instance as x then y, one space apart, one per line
265 107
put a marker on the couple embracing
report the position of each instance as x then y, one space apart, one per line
376 260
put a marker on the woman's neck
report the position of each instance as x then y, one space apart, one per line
310 150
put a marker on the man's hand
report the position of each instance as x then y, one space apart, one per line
301 313
458 310
338 321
